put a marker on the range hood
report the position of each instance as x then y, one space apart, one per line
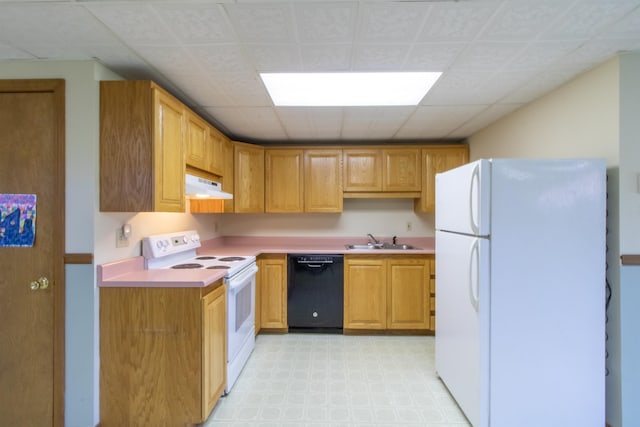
200 188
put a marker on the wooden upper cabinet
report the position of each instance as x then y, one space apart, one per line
436 160
217 157
142 133
323 180
362 169
402 169
228 171
248 178
393 172
283 180
198 151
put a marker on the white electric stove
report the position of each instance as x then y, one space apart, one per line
179 251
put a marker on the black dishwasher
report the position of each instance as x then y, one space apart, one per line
315 293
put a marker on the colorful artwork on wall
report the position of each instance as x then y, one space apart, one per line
17 219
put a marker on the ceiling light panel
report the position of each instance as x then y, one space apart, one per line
348 89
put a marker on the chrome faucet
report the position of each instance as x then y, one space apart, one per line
375 241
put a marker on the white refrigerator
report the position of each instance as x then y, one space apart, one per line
520 298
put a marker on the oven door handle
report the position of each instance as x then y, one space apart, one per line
238 280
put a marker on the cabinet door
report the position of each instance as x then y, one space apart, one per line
228 174
323 180
365 296
217 152
408 293
436 160
197 147
273 291
169 157
248 178
402 170
283 180
362 170
214 341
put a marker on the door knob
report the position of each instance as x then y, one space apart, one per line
41 283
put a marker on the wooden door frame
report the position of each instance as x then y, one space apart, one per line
57 88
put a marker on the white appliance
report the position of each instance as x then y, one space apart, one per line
520 306
201 188
179 251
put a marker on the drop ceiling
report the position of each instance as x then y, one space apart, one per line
496 55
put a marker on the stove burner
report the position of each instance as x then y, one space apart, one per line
232 258
206 257
219 267
187 265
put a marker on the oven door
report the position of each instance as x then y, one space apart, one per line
241 310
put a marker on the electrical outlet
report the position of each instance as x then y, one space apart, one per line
409 226
122 240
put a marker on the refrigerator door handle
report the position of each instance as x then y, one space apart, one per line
474 190
474 280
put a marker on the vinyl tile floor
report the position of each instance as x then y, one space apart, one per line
301 379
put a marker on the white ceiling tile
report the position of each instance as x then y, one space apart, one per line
437 121
455 87
134 22
487 55
432 56
196 22
217 58
311 123
325 22
537 86
391 22
167 59
540 55
262 22
588 17
460 21
483 119
243 89
522 20
379 57
326 57
374 122
250 123
627 27
275 57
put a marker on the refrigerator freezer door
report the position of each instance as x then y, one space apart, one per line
463 199
462 310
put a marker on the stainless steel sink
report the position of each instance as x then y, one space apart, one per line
381 246
363 246
397 246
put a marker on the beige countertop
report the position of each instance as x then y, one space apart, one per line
131 272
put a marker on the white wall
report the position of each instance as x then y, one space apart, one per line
380 217
578 119
586 118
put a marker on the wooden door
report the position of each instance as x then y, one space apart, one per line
273 283
323 180
365 295
214 343
408 293
283 180
168 153
32 114
362 169
248 196
197 145
401 169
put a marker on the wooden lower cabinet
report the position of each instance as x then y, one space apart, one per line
387 292
162 354
272 280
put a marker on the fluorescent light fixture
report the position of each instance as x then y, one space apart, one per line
348 89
